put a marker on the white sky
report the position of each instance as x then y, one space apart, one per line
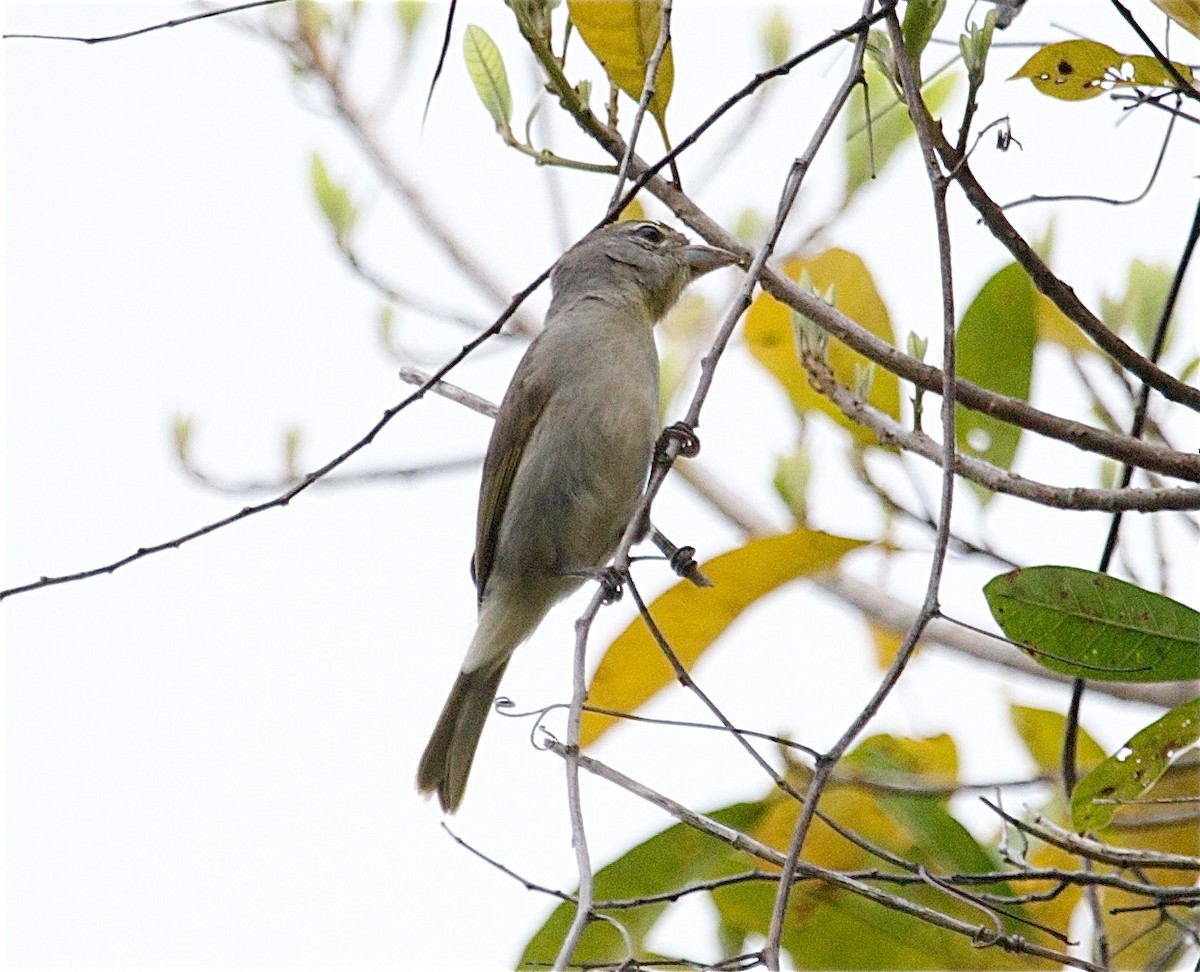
209 754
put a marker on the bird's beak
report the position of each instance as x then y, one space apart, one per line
702 259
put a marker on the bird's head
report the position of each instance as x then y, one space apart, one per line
638 259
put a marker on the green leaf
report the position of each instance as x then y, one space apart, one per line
1142 305
890 125
974 47
920 19
776 37
182 429
769 335
485 67
1090 625
292 438
996 340
333 200
831 929
792 476
668 861
623 35
691 618
410 13
1130 772
846 931
934 837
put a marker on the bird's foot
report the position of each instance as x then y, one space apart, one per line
684 435
611 581
681 559
684 564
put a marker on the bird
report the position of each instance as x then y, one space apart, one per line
567 461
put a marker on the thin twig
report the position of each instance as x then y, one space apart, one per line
649 89
579 695
929 608
804 870
1076 498
283 499
125 35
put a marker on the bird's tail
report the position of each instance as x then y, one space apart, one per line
504 622
451 749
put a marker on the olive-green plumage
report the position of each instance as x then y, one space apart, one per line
567 460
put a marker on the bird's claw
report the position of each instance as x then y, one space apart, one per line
683 562
612 583
684 435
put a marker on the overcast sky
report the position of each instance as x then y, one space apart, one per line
209 754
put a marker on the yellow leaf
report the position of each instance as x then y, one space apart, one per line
769 334
887 643
1042 732
634 211
1147 71
1186 13
1053 325
623 35
1169 827
1076 70
691 618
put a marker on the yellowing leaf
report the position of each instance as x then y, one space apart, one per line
935 756
887 642
769 335
1053 325
623 35
1041 730
1148 72
1186 13
634 211
828 928
1076 70
1159 827
691 618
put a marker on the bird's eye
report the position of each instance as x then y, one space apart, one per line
650 233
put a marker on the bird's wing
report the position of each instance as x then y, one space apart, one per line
514 428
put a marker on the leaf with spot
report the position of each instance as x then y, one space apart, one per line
1130 772
486 69
1077 70
1090 625
996 340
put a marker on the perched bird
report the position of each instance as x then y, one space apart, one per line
567 461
